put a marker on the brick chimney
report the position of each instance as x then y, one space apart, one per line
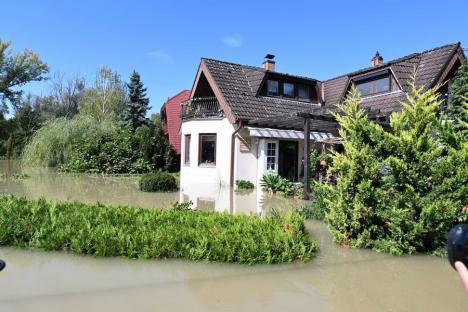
377 60
269 63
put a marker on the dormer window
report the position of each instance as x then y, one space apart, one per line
373 85
291 88
288 89
303 92
272 87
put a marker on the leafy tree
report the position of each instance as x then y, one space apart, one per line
106 99
459 92
134 114
164 156
26 121
398 191
65 97
17 70
107 152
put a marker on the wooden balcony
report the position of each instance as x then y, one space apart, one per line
202 107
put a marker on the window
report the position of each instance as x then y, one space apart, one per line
272 87
374 85
288 89
271 156
207 149
303 92
187 149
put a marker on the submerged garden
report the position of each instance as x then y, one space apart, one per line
396 189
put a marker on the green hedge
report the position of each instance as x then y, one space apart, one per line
244 185
159 181
152 233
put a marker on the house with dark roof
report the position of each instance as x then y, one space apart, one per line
241 122
170 118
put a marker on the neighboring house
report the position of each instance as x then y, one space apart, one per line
170 118
237 123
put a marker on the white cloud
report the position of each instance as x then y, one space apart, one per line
160 56
233 41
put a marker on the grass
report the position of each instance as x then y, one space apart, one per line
108 231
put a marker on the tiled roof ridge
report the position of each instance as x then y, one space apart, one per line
397 60
232 63
174 96
243 66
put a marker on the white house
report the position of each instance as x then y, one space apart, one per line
242 122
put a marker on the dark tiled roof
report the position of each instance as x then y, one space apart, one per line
386 103
428 65
239 84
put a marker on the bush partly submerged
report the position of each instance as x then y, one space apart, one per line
244 185
103 230
158 181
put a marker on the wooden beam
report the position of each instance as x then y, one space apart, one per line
306 157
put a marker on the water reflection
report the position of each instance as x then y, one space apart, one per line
91 188
337 279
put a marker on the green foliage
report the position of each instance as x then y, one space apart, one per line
53 144
317 161
104 101
398 191
134 114
83 144
17 70
185 206
108 150
158 181
317 208
244 185
274 183
458 95
110 231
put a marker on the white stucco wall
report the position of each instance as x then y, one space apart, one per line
216 174
245 166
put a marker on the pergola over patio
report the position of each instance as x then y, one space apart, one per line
323 120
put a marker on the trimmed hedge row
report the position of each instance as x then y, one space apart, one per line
107 231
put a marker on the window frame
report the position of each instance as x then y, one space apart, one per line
374 79
293 90
276 142
295 95
200 163
278 88
299 85
187 142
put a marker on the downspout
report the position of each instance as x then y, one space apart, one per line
240 125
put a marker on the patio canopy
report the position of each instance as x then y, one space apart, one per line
324 137
311 122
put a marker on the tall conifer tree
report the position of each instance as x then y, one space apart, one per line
134 114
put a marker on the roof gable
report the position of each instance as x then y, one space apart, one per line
428 65
237 86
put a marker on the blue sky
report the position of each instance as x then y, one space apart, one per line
164 40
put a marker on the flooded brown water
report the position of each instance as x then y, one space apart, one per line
337 279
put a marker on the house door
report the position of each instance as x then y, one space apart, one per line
287 160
